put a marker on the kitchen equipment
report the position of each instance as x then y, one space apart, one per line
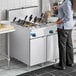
32 45
35 19
25 17
14 19
42 14
20 22
30 18
40 20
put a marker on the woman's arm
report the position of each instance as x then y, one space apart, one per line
59 21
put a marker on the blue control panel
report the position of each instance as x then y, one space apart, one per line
33 34
51 31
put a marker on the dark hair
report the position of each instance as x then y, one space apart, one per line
55 4
72 3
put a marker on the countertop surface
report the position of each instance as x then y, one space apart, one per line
5 27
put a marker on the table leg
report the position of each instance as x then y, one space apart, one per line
8 49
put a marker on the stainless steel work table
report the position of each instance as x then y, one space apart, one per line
7 32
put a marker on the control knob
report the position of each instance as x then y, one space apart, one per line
51 31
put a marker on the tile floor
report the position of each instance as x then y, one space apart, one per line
50 71
17 68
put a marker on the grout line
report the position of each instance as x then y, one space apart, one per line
66 73
70 72
46 72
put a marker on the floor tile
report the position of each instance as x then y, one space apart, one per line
49 68
18 68
68 70
73 73
28 74
47 74
59 73
74 66
40 71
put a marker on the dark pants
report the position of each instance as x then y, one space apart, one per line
65 47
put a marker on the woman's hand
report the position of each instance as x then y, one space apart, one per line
59 21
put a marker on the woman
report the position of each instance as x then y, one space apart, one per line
65 26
